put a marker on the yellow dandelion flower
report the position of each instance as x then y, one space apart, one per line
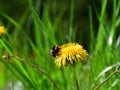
69 53
2 30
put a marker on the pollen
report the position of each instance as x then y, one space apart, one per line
2 30
70 53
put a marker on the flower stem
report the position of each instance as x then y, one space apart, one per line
76 80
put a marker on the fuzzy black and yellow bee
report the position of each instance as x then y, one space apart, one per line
55 50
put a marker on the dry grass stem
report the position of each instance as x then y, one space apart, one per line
112 74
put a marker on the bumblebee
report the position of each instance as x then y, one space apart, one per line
55 50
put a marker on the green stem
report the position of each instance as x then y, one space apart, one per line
76 80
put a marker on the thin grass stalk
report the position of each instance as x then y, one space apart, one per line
32 65
39 68
112 74
71 20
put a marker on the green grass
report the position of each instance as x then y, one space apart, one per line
33 36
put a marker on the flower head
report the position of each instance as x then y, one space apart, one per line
2 30
69 54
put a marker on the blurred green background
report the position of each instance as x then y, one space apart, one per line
34 26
